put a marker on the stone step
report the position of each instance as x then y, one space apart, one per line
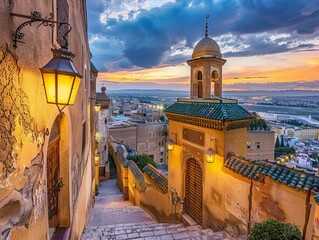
151 230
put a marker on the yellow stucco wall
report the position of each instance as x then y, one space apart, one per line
225 194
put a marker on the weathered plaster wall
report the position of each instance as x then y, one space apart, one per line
225 194
25 118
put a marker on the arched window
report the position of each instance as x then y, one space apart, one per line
199 75
214 76
200 89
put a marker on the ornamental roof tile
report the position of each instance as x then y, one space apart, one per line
296 178
217 109
137 173
120 153
157 176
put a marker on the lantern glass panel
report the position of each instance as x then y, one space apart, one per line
49 84
75 89
65 83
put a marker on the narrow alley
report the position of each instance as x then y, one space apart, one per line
114 218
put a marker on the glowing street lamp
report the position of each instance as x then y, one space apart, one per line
61 79
210 155
170 145
97 107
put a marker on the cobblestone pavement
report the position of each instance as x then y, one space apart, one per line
114 218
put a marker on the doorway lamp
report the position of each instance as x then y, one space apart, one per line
60 77
97 107
210 153
170 143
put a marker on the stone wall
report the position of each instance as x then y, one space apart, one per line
142 190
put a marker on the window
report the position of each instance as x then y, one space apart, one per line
162 153
62 16
199 75
161 160
214 75
258 146
83 136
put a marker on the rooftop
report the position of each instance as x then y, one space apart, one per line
210 108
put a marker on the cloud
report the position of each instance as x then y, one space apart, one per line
146 31
270 86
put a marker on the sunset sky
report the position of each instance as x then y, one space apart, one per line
144 44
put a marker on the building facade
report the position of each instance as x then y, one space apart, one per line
46 160
260 145
146 138
207 163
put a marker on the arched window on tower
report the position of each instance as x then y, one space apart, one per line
214 76
200 89
199 75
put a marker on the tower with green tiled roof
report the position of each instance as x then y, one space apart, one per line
207 165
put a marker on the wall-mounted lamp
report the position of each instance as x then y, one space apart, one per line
171 144
60 77
97 107
210 153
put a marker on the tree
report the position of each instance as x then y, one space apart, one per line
277 144
284 151
282 142
142 160
274 230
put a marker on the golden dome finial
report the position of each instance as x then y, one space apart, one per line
206 27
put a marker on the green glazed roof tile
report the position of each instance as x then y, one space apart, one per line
209 110
300 180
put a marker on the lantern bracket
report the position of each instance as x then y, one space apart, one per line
37 17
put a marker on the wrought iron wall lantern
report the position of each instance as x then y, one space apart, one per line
97 107
171 144
60 77
210 153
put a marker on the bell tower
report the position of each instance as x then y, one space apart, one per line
206 68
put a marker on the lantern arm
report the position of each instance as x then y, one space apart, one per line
37 17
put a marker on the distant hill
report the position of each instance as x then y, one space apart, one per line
174 93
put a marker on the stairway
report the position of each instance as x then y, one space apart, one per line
114 218
112 167
151 230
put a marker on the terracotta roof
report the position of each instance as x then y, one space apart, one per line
217 109
157 176
299 179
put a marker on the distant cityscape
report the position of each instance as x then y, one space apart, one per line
293 117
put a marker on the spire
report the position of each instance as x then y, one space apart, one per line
206 27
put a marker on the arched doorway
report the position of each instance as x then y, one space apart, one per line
194 190
58 196
53 176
